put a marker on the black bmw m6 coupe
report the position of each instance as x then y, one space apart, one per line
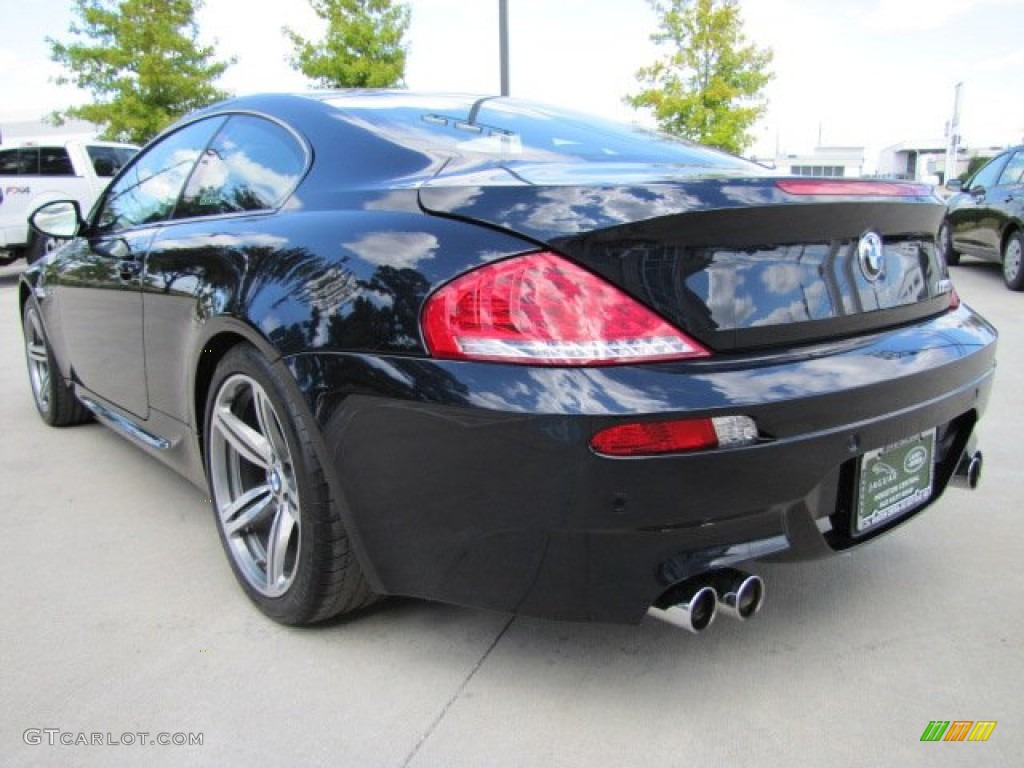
494 353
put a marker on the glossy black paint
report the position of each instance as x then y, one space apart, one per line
473 482
481 488
990 207
736 263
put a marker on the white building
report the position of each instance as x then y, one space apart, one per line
823 161
925 160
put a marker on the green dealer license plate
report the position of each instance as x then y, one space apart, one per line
894 480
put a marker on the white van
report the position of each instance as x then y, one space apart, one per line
33 173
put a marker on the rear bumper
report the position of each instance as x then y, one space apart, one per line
474 483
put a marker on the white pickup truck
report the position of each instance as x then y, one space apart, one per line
33 173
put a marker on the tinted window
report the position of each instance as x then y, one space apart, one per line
252 165
9 162
20 162
1014 171
150 187
521 130
54 161
988 175
107 161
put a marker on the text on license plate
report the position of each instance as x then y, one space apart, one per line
894 480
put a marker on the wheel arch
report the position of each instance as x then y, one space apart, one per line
211 353
32 287
223 334
217 345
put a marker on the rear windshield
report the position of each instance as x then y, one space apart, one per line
107 161
523 130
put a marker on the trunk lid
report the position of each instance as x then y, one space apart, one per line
737 262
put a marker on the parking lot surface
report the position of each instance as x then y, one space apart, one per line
121 619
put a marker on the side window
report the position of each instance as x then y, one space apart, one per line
107 161
1014 171
9 162
252 165
54 161
147 192
28 162
988 175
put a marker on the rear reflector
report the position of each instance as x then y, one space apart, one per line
852 188
542 309
652 438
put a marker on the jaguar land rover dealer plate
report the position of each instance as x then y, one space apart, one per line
894 480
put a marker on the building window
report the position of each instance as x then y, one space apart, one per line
818 170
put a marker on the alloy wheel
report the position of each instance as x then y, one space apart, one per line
38 361
1012 261
254 485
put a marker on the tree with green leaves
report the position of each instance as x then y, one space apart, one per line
709 87
142 63
363 48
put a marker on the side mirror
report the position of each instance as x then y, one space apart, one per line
955 185
61 219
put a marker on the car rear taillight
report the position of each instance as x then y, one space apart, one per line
650 438
853 187
544 310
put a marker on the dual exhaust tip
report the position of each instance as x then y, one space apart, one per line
694 603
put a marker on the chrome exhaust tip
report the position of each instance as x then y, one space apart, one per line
691 605
968 470
740 595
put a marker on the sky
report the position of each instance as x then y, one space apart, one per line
866 73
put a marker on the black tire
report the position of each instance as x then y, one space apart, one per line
54 400
1013 262
945 243
271 498
38 246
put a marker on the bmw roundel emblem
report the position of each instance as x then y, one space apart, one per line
871 254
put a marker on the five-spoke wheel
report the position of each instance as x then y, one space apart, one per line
254 486
38 360
277 518
54 399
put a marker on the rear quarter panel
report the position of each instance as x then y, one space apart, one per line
302 281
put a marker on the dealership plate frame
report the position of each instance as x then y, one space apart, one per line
893 481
